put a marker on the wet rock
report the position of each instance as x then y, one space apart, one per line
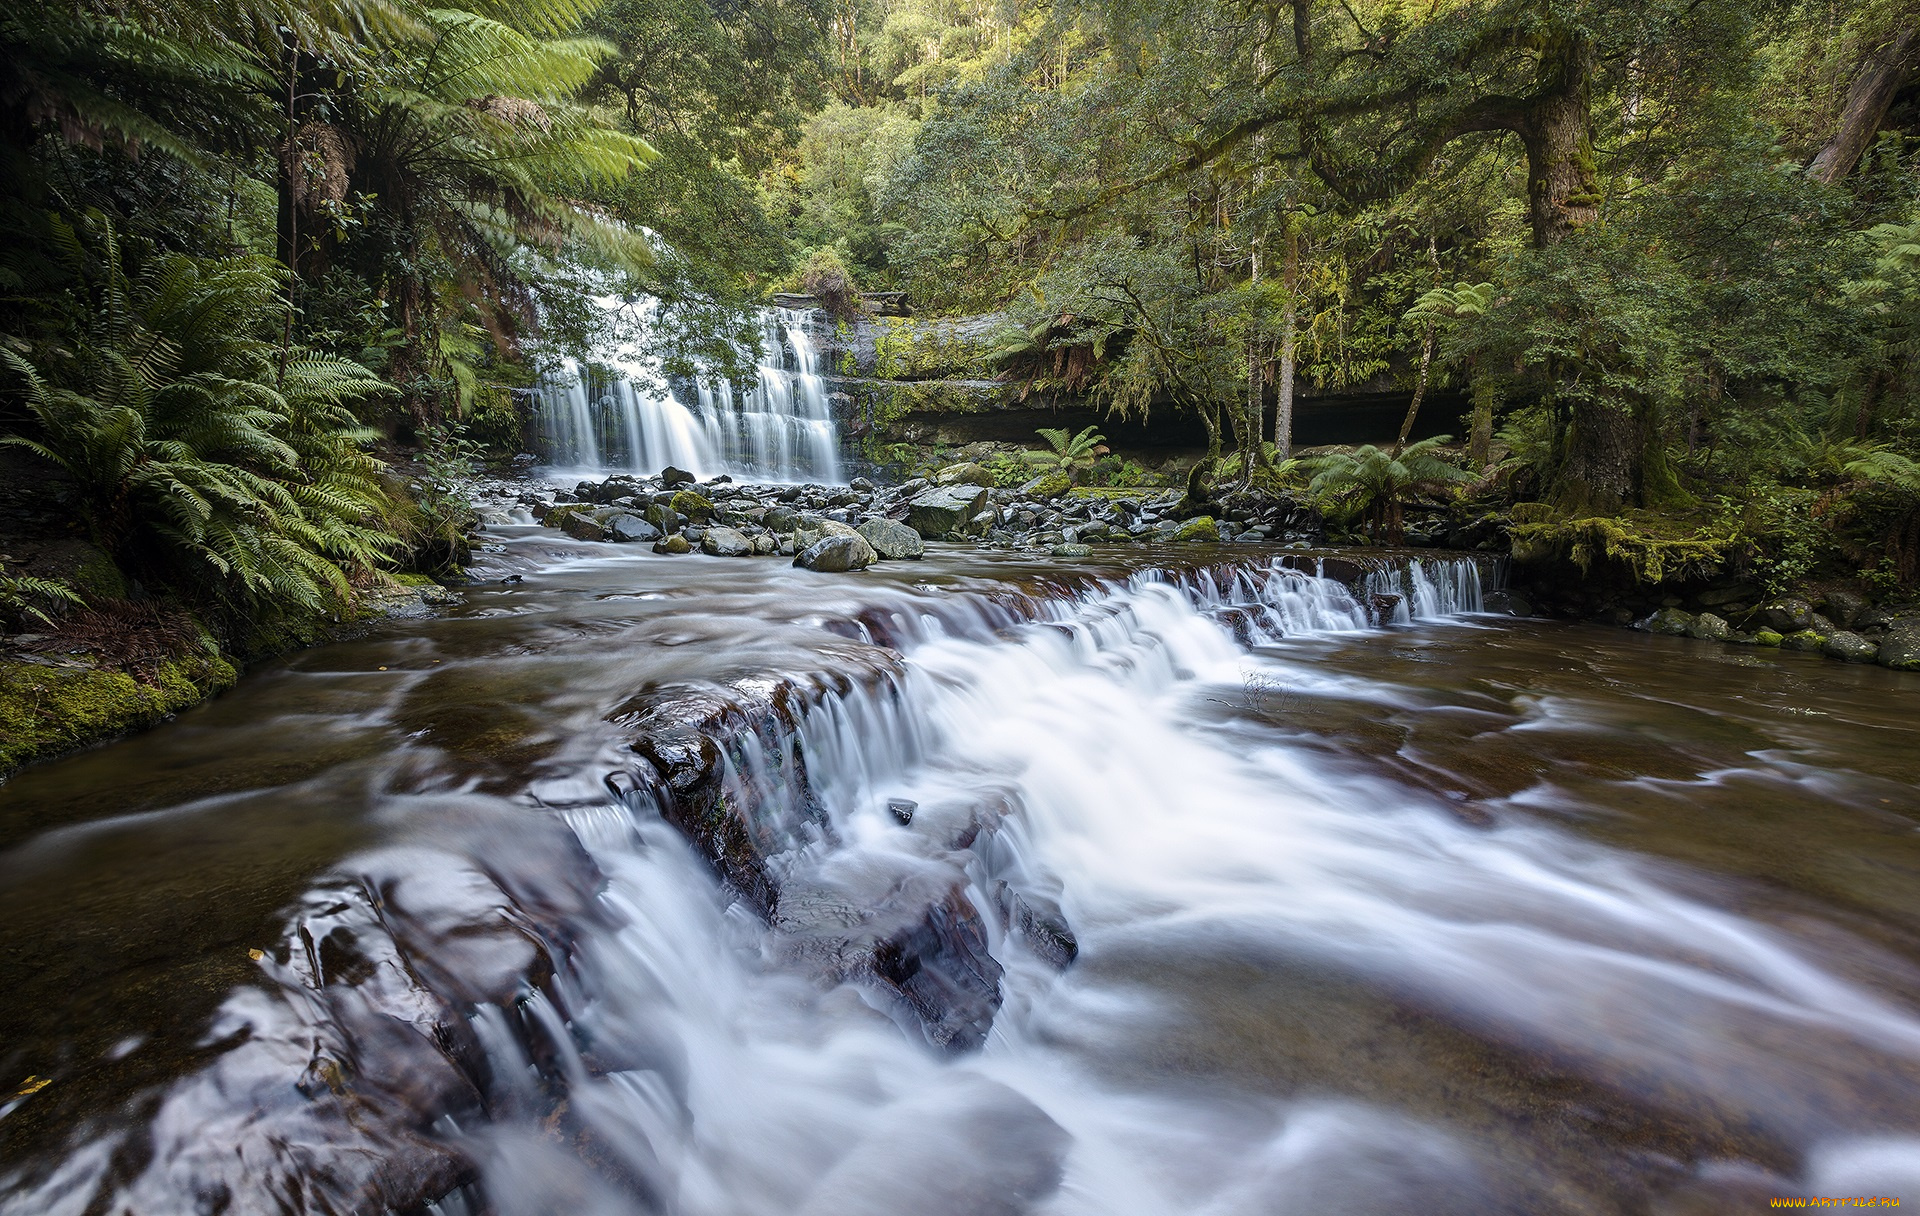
1803 639
861 484
673 544
893 541
1201 529
766 544
1788 614
1047 486
967 474
629 527
725 542
1766 637
671 477
694 505
1709 628
665 518
836 555
582 527
1509 603
1849 647
934 513
1041 923
1846 609
1900 649
902 810
1670 621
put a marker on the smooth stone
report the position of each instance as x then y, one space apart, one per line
893 541
673 544
671 477
626 527
836 555
1850 647
722 541
934 513
1804 639
1709 628
1671 621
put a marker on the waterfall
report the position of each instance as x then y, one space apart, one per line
626 414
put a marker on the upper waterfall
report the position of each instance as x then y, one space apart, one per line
623 412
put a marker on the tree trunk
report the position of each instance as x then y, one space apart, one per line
1283 407
1562 194
1419 391
1255 427
1885 72
1486 399
1597 477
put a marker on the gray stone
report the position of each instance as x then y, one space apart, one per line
836 554
1669 621
892 541
766 544
1803 639
1071 550
665 518
671 477
722 541
673 544
1900 649
934 513
629 527
1846 608
582 527
1709 628
968 474
1788 614
1850 647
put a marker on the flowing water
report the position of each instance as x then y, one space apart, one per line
1459 914
622 413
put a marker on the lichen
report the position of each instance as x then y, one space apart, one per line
45 710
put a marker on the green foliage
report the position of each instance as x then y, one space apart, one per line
1373 485
1649 546
1067 453
205 454
24 598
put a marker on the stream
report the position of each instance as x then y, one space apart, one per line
1158 884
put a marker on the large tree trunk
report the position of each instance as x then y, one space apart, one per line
1562 194
1289 315
1486 398
1885 72
1597 477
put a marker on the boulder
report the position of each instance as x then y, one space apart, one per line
766 544
892 541
1709 628
582 527
694 505
967 474
1850 647
665 518
673 544
1766 637
630 527
1845 608
1788 614
836 554
1200 529
671 477
1900 649
1803 639
1670 621
781 519
1047 485
934 513
726 542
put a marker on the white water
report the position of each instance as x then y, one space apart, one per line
621 414
1170 828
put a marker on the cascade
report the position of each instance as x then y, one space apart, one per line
623 413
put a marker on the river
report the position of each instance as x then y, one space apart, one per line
1198 908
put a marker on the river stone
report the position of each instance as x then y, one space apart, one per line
1766 637
1850 647
1669 621
582 527
629 527
693 505
1202 529
937 512
665 518
1071 550
1845 608
1788 614
966 474
891 540
671 477
781 519
836 554
1709 628
673 544
721 541
1900 649
1803 639
766 544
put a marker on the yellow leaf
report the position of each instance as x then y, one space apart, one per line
32 1085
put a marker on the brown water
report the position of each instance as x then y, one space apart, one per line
1469 914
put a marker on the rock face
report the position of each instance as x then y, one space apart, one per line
836 554
1900 649
1850 647
892 541
937 512
725 542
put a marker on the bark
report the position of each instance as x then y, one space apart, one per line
1486 398
1557 130
1601 452
1419 391
1883 75
1289 314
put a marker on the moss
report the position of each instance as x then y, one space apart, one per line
46 710
1050 485
1653 547
1805 639
557 514
1767 637
695 507
414 580
1201 529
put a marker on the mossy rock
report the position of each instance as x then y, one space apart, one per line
1202 529
46 710
1805 639
557 515
694 506
1767 637
1048 485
